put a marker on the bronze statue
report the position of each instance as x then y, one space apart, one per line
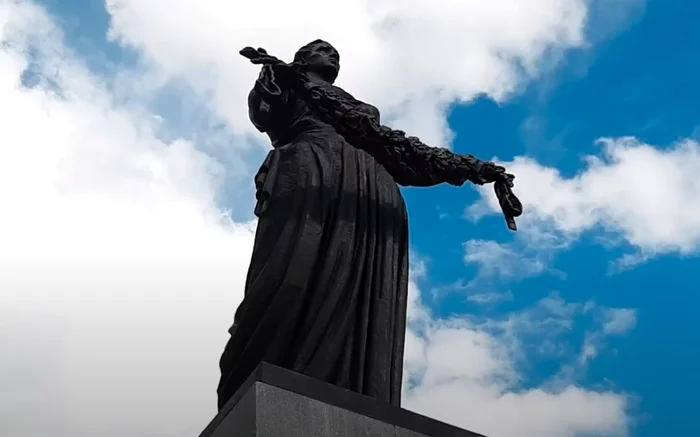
326 290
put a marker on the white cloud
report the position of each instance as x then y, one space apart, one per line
119 275
119 271
498 264
466 372
412 57
497 259
619 321
612 322
490 298
649 196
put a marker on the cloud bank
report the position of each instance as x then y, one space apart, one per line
120 266
643 198
411 57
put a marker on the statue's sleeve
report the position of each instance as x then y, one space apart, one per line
411 162
267 101
414 164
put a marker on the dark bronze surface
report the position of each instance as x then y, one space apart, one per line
326 291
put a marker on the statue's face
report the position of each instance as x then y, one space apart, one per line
323 59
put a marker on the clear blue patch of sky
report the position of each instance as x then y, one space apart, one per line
85 25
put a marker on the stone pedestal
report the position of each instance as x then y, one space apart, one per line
275 402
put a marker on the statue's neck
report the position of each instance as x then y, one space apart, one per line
317 78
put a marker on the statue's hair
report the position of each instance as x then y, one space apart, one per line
301 54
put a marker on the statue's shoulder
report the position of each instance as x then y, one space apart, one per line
340 91
365 107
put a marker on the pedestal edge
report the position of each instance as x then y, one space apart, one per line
341 398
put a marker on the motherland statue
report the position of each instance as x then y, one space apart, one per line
326 291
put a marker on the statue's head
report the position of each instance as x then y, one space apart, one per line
321 58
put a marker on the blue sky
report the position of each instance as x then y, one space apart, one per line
637 77
642 83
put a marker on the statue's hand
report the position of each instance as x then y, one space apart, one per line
259 56
491 172
503 188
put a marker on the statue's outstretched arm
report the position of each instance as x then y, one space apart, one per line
411 162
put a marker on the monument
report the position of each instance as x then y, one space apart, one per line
316 347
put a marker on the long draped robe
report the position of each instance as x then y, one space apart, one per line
326 291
